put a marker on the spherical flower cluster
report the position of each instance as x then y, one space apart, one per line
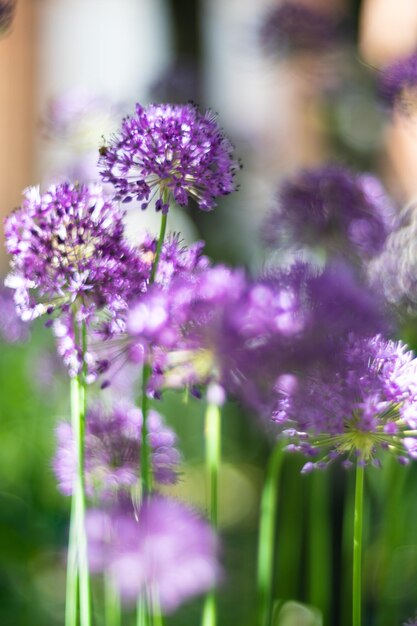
333 209
218 325
411 622
7 9
112 451
170 151
294 26
394 271
369 403
165 550
398 82
67 246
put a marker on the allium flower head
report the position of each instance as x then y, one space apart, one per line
165 550
333 209
170 149
67 246
7 8
112 451
219 326
398 82
294 26
411 622
369 403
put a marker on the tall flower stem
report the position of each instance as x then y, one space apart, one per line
145 461
266 542
357 547
71 598
213 456
112 609
78 411
319 543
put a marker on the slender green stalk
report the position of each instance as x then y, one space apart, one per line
357 548
71 598
319 543
213 455
266 542
78 411
112 608
164 218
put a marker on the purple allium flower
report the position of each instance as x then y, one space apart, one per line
398 82
394 271
294 26
331 208
112 451
165 550
173 149
67 245
219 326
368 403
12 329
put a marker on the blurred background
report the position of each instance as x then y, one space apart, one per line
69 71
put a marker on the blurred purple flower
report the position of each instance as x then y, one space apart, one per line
219 326
398 82
173 149
294 26
165 551
366 404
411 622
112 451
331 208
12 329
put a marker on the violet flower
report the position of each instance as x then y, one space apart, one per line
112 451
164 551
333 209
398 82
369 403
67 247
12 329
170 149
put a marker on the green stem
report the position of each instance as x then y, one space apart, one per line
320 540
71 598
266 542
213 455
164 218
145 460
112 609
357 548
78 411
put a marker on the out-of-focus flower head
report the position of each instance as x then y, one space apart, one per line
296 27
367 404
12 329
394 271
67 247
398 83
219 326
170 150
332 209
112 451
165 551
411 622
7 8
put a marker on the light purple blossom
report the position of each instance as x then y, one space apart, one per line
331 208
112 451
164 550
367 404
173 149
12 329
411 622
